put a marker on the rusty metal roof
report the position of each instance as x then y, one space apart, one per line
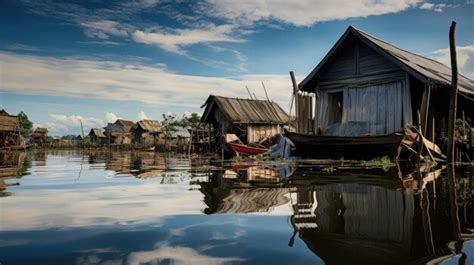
9 123
97 132
245 111
427 70
125 123
152 126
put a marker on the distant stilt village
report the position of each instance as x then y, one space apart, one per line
365 99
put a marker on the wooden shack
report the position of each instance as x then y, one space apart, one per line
145 132
251 120
10 131
97 136
39 136
366 86
119 132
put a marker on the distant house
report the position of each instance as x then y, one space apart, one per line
10 131
178 140
39 136
251 120
145 132
119 132
97 136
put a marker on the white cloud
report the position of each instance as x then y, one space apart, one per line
177 255
111 80
465 59
304 12
102 29
142 116
434 7
173 40
60 124
110 117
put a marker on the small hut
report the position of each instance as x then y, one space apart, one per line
251 120
145 132
366 86
119 132
178 140
40 136
97 136
9 129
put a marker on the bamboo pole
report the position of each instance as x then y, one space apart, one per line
295 93
454 92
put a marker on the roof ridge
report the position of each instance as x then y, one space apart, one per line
396 47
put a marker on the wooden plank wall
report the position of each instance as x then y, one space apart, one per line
304 113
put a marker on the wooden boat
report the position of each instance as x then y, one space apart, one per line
145 148
336 147
245 149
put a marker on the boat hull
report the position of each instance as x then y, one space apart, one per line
245 149
337 147
146 149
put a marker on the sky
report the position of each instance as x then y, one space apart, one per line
97 60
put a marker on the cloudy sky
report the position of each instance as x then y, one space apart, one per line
62 61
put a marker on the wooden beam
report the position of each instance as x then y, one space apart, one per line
454 92
295 93
425 105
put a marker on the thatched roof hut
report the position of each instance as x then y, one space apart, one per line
145 131
9 123
250 119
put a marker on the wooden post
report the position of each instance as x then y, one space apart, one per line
454 93
295 93
425 105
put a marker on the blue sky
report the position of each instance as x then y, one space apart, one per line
61 61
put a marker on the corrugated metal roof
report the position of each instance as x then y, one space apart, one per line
151 126
433 71
9 123
181 132
245 110
97 132
115 128
125 123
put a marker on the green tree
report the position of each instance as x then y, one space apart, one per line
25 123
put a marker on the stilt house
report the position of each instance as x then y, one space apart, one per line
146 132
366 86
40 136
10 131
251 120
97 136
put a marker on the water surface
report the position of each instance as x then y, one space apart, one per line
74 207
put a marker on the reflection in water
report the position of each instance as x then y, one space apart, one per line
131 208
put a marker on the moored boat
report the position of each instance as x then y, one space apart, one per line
245 149
145 148
336 147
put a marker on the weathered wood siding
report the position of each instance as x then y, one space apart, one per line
356 63
256 133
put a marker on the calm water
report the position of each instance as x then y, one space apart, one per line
69 207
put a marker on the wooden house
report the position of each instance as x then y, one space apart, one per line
251 120
39 136
365 86
145 132
10 131
178 140
119 132
97 136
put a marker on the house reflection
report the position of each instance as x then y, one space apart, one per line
13 165
357 216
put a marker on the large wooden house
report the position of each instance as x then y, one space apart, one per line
365 86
